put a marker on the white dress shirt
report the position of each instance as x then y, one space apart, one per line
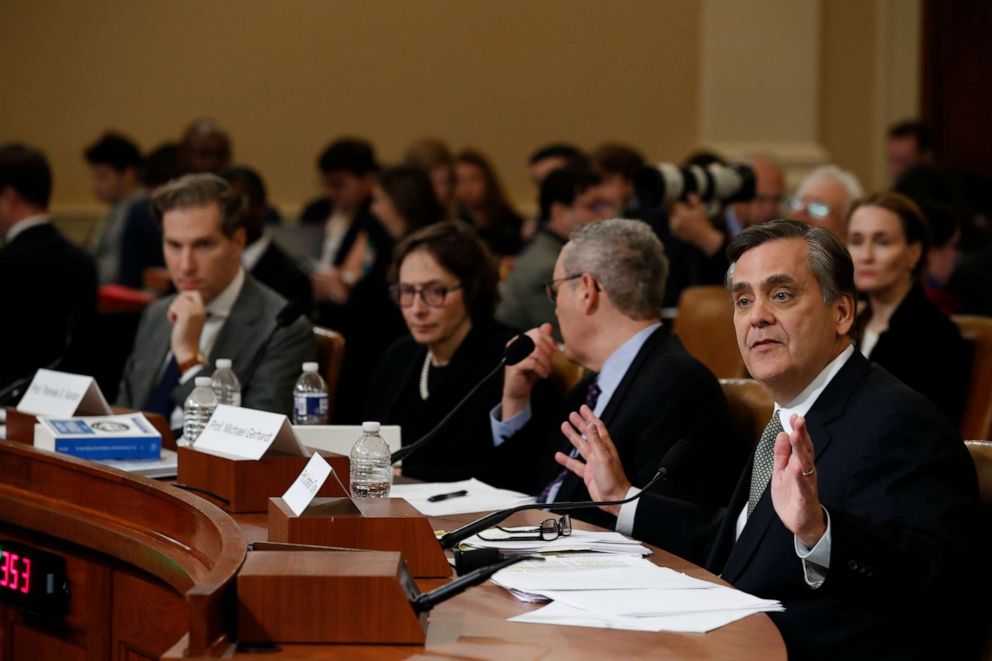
27 223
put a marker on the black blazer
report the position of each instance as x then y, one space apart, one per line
666 395
901 492
277 270
924 349
464 447
48 288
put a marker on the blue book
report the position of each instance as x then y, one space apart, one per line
128 436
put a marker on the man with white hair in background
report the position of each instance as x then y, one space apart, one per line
824 197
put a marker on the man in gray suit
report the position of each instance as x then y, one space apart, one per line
219 311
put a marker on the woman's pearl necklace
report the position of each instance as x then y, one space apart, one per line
424 393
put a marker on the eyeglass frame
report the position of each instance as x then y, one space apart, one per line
397 291
551 289
562 528
815 208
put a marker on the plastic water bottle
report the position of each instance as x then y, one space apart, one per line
198 408
310 398
225 383
371 469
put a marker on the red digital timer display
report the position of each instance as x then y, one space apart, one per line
15 572
33 580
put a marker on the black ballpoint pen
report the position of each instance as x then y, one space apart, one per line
445 496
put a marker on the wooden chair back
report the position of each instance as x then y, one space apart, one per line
330 354
750 408
977 419
705 325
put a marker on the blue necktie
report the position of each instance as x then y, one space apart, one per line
160 399
592 398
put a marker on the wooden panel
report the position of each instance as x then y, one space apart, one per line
148 616
29 644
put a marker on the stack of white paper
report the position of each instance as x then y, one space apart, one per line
624 592
478 497
580 540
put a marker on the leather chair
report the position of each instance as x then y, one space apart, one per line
977 419
750 408
981 453
705 324
330 354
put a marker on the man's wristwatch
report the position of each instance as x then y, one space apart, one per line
198 359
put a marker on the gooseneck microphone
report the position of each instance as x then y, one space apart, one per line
675 456
519 348
287 315
428 600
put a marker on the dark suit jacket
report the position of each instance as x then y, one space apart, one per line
901 492
464 447
277 271
48 288
141 244
666 395
924 349
244 335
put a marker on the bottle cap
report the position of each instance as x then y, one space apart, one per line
223 363
203 381
370 426
309 367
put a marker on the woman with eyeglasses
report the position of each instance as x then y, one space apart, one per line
403 201
444 281
900 328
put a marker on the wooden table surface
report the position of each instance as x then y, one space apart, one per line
473 625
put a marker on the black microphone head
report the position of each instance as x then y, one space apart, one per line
289 313
466 561
677 455
518 349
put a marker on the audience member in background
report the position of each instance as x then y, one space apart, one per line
262 257
204 147
859 511
47 285
219 311
910 143
545 160
348 168
616 165
943 256
569 199
433 155
444 282
901 329
483 203
824 198
369 320
769 187
608 288
114 162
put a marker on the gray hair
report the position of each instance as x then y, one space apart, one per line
846 179
198 190
627 260
828 258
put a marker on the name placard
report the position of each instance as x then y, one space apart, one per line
61 395
300 494
242 433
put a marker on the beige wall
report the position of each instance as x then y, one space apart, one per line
285 77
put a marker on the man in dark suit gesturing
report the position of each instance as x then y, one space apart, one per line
607 291
219 311
866 533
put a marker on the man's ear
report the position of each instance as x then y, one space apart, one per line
240 238
591 296
845 310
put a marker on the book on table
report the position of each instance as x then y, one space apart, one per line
128 436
